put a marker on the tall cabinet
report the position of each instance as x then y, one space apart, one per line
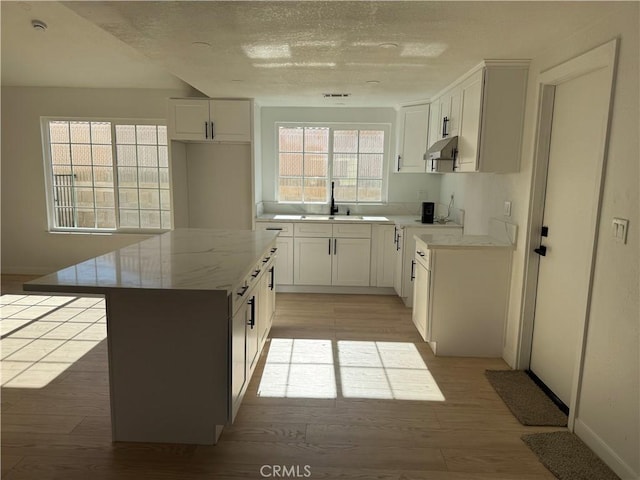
212 162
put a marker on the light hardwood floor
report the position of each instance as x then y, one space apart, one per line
62 430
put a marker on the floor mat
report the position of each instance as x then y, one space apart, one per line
524 398
567 457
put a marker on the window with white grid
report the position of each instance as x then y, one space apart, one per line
311 157
107 175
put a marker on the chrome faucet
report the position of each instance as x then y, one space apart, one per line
334 208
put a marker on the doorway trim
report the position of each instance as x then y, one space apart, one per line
602 57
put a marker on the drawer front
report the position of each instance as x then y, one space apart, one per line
351 230
310 229
285 229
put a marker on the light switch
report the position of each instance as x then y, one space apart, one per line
619 229
506 210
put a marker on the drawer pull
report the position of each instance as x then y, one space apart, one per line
255 273
420 253
279 229
243 290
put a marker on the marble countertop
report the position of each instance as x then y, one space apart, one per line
183 259
400 220
435 241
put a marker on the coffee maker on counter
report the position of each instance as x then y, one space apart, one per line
428 212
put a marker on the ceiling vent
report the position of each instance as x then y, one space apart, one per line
336 95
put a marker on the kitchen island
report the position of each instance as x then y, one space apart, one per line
187 315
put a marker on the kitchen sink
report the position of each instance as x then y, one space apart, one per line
327 218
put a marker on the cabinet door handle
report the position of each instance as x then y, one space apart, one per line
243 290
399 158
252 318
398 243
413 269
206 130
272 271
329 246
335 246
213 130
445 122
395 235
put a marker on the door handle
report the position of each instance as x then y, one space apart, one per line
213 130
206 130
399 158
335 246
413 268
541 250
329 246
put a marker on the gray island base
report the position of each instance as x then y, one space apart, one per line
187 315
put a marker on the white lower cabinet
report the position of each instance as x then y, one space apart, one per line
253 307
326 254
461 296
383 255
421 296
406 266
312 260
398 260
284 262
351 261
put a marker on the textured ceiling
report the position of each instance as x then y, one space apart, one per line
290 53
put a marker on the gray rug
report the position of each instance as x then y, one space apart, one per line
524 398
567 457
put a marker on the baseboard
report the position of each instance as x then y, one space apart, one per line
600 448
509 356
334 289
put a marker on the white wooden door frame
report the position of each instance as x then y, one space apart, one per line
602 57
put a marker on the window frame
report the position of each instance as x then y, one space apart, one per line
48 175
332 126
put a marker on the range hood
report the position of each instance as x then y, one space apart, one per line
445 149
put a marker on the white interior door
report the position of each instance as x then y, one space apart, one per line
578 129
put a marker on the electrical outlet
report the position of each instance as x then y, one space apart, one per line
506 209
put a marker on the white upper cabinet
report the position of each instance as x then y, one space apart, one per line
413 136
492 118
449 103
206 120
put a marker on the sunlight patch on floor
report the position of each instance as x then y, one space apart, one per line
298 368
42 336
307 368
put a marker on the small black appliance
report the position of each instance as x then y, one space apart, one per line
428 212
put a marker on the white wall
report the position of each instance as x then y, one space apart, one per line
27 246
402 189
608 413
